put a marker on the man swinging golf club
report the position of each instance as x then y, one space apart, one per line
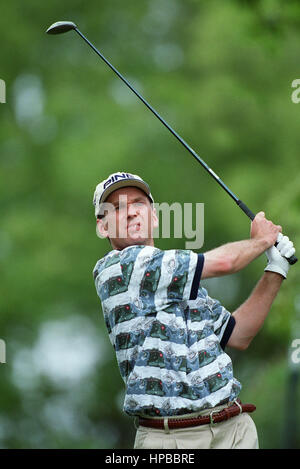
168 334
61 27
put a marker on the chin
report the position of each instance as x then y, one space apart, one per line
135 242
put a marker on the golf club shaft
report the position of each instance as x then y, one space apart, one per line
246 210
181 140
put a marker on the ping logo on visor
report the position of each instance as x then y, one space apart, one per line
115 177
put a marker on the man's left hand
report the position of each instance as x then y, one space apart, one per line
277 256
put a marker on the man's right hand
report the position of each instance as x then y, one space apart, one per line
264 230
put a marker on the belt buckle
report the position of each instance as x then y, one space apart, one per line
211 418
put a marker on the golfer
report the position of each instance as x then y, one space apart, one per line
168 334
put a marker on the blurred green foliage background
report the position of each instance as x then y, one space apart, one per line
220 73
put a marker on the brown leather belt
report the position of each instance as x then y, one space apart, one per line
215 416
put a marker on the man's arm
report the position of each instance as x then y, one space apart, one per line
232 257
251 315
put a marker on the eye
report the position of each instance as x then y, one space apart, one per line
116 208
121 206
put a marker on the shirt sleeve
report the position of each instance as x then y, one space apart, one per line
177 274
163 276
148 277
197 277
223 322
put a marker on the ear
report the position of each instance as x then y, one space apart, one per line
102 228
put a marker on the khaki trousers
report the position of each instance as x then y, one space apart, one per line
237 433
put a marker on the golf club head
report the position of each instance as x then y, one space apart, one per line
61 27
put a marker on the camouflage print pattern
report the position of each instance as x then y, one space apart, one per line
167 345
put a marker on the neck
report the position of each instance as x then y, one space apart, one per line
145 242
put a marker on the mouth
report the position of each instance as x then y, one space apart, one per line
134 226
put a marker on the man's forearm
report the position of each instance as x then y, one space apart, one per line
232 257
251 315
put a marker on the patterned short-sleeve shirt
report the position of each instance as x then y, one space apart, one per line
168 334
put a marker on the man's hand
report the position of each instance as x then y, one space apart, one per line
264 230
232 257
276 262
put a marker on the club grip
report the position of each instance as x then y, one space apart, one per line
246 210
291 260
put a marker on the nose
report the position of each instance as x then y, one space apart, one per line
132 210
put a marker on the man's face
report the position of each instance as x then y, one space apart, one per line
129 218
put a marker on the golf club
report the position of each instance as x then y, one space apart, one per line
65 26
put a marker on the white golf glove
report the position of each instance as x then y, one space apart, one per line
277 263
